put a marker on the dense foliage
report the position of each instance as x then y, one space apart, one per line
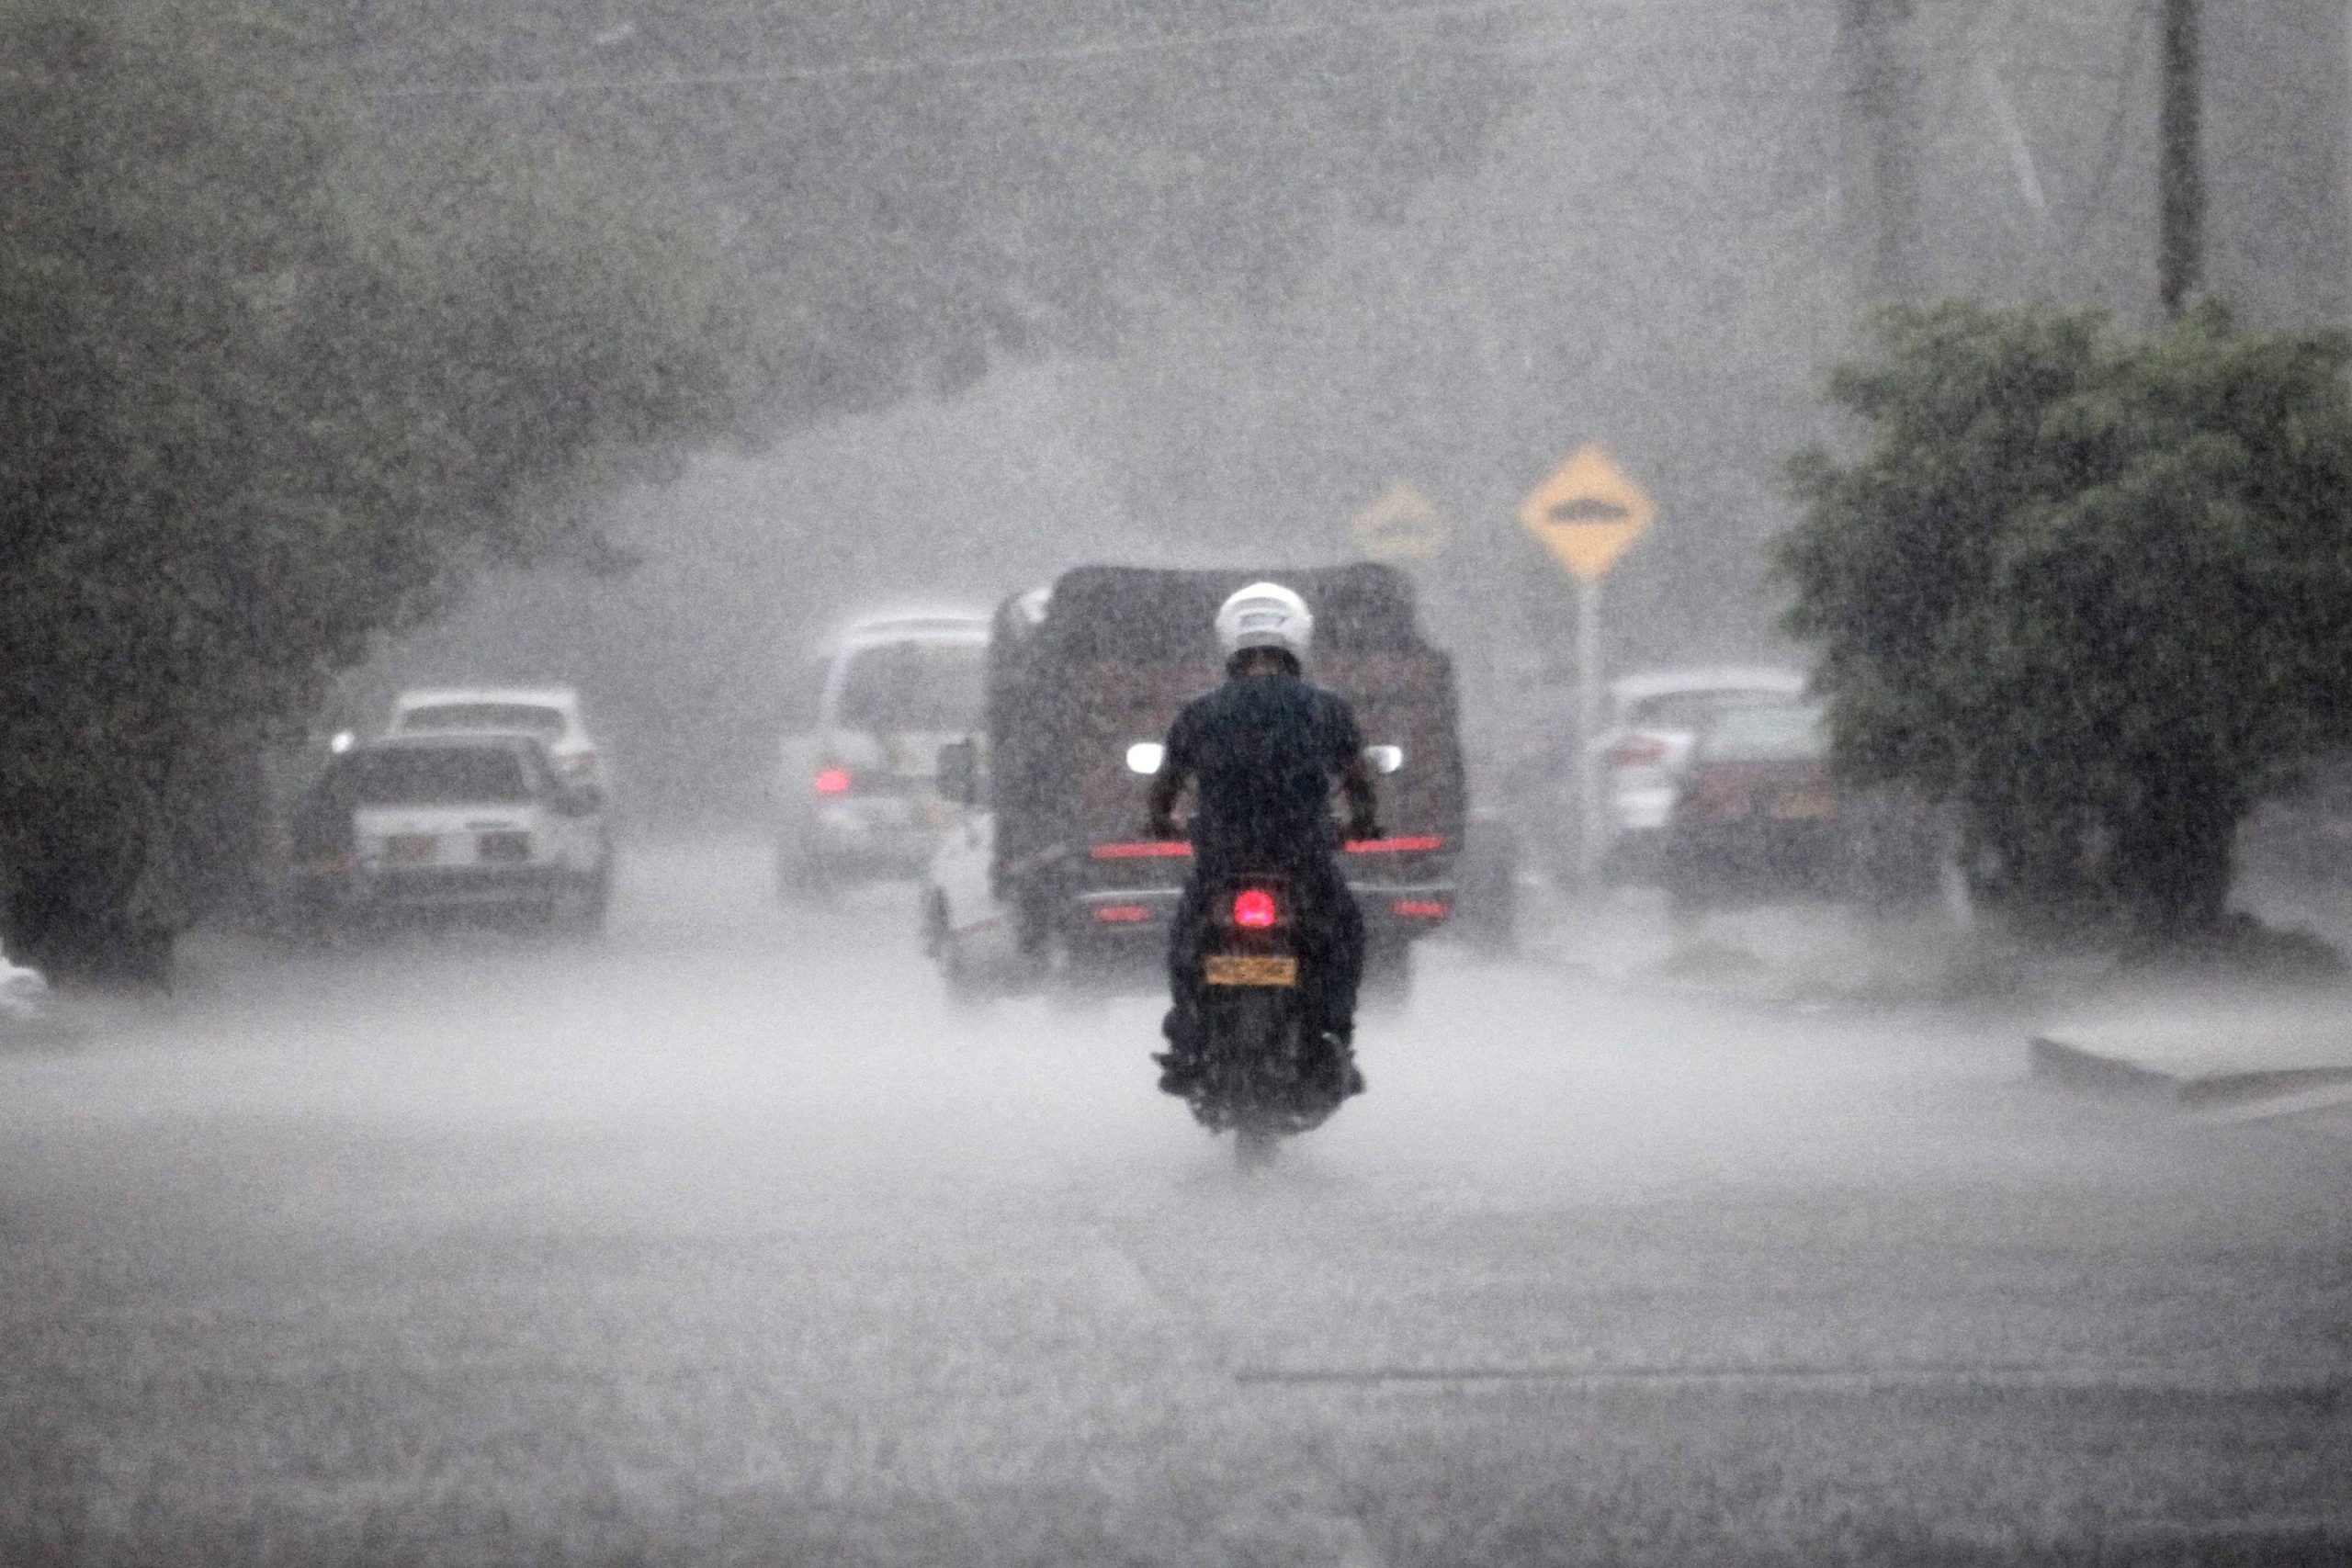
2094 587
308 311
262 400
924 186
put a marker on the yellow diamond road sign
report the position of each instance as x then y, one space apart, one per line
1402 527
1587 513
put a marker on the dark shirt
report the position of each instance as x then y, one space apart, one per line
1264 752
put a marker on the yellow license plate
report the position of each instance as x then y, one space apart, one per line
1806 806
1250 969
410 849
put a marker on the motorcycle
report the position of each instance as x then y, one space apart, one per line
1264 1077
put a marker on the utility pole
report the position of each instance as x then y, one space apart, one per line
2181 178
1879 150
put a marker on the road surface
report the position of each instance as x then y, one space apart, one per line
727 1241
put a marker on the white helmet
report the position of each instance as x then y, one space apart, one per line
1265 615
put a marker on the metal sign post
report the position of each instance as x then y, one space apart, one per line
1588 719
1587 513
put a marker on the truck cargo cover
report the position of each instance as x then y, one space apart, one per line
1144 615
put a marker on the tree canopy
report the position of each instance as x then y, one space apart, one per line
2094 586
307 311
924 184
262 400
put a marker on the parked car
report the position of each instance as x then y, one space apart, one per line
1652 722
416 824
550 713
1759 818
857 791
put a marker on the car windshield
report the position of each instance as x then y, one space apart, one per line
1692 708
927 686
530 718
1777 732
420 776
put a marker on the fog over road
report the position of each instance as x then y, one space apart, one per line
727 1241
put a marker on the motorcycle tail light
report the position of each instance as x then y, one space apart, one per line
1253 908
831 781
1637 751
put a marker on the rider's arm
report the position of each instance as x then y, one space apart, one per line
1355 784
1175 770
1355 775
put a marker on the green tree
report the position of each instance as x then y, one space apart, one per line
924 186
262 400
2094 587
308 310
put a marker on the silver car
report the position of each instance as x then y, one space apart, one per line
1653 720
857 792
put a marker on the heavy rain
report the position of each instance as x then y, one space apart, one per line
613 951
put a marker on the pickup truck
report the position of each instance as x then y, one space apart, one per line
1049 875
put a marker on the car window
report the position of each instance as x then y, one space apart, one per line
912 686
804 691
1771 732
429 776
1688 710
531 719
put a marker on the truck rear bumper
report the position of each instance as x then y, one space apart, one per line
1392 911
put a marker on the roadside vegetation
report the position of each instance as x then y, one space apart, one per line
2091 586
311 313
266 398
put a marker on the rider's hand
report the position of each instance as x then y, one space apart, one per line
1162 828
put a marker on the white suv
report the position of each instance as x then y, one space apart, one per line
550 713
412 824
857 791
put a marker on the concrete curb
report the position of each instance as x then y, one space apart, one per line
2075 1066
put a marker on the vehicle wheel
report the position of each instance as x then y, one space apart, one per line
310 920
1253 1148
1686 902
1388 983
802 877
594 899
965 988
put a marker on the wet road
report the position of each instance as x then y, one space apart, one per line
728 1242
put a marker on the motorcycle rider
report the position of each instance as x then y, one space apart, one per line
1264 750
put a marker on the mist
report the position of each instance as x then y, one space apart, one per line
1852 1055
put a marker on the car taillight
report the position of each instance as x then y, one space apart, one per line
831 781
1712 797
1253 908
1637 751
1422 909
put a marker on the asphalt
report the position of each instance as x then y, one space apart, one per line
729 1241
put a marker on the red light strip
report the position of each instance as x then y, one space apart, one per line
1122 914
1425 909
1173 848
